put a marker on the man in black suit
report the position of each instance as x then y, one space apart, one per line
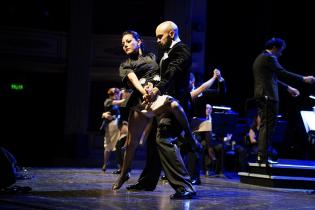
162 151
266 70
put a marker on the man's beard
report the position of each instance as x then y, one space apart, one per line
166 46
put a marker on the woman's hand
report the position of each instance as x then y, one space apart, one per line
108 116
151 95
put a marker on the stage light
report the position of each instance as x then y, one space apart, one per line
221 107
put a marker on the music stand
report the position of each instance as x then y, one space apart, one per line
224 123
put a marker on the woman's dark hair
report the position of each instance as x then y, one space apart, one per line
136 36
113 91
275 42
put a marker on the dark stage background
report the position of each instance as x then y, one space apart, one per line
41 50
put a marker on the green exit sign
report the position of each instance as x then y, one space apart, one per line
17 86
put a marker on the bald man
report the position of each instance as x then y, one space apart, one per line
174 64
162 151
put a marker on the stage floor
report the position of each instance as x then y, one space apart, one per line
90 188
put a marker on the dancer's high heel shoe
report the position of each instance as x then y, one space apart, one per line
104 168
120 181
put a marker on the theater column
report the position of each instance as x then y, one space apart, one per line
78 79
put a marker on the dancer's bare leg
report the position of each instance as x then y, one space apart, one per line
136 125
181 117
106 158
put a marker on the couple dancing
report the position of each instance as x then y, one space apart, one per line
162 90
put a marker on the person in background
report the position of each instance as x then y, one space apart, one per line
212 91
203 131
110 124
193 158
196 92
201 96
253 135
123 129
266 70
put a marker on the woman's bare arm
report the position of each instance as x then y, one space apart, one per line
136 83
